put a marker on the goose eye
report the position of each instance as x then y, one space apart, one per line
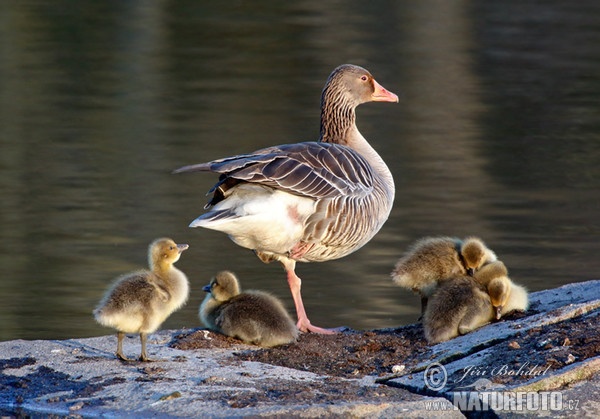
364 78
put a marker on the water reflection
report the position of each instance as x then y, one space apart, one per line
495 135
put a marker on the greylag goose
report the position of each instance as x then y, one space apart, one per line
310 201
427 262
140 301
252 316
458 306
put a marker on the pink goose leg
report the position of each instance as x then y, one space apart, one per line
295 283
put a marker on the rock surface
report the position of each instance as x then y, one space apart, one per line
549 353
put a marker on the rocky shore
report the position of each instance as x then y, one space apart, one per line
545 362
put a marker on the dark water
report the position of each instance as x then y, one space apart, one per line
497 134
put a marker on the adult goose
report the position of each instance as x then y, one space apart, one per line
309 201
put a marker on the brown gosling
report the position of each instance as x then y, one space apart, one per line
463 304
140 302
475 254
254 317
458 306
427 262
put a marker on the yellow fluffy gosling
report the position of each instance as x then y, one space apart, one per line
140 302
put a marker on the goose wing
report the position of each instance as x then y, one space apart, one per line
310 169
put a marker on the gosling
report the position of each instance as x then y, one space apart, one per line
141 301
254 317
428 261
458 306
461 305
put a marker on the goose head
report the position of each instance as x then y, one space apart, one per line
354 85
223 286
164 252
347 87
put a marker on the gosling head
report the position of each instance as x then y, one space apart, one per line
499 290
490 271
164 252
475 254
223 286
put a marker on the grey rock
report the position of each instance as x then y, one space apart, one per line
82 377
470 363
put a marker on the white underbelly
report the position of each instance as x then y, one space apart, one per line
263 219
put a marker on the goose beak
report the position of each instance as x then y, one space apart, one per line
182 247
498 312
381 94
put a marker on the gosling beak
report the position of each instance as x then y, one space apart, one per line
206 288
381 94
498 312
470 271
182 247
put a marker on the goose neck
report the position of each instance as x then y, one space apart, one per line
338 119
